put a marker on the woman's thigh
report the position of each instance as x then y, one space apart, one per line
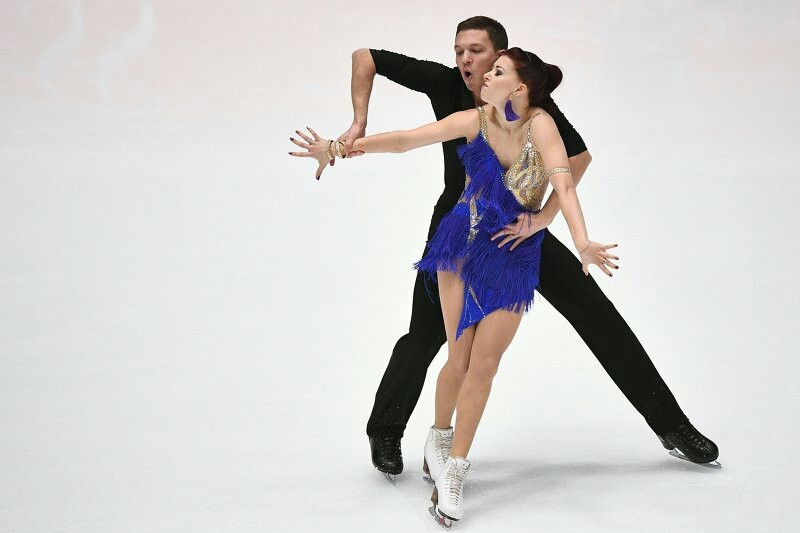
451 295
493 336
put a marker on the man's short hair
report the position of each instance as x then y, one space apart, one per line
497 33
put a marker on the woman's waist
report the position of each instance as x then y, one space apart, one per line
523 194
481 207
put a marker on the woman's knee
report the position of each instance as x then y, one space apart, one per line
458 360
484 365
459 367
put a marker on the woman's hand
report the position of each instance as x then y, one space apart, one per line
595 254
317 148
526 225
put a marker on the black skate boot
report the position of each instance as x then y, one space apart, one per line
386 455
692 445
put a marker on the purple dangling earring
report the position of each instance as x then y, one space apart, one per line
510 115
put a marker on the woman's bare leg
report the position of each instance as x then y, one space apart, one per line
492 337
454 371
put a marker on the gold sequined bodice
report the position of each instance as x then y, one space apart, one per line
525 178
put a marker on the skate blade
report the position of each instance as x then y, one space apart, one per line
713 464
441 519
391 477
426 474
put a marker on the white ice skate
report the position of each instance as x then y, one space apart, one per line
448 496
437 451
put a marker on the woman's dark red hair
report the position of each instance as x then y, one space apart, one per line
540 77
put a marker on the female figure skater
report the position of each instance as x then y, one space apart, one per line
513 151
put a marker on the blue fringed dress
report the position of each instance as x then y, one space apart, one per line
494 278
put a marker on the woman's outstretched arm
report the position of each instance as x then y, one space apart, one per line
455 126
554 157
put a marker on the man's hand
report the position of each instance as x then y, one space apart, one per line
526 225
355 132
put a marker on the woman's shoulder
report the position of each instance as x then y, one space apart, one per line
541 121
471 122
538 114
468 114
544 131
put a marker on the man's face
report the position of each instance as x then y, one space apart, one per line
474 56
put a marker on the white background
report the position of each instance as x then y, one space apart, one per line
192 328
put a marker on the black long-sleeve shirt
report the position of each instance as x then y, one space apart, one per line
449 94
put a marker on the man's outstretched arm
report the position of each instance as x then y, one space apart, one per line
418 75
361 82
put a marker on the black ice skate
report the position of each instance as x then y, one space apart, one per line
386 455
691 446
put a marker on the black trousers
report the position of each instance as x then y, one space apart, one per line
577 298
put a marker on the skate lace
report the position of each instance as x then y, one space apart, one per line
454 483
442 444
693 436
388 445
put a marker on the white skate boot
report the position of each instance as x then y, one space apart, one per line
448 496
437 451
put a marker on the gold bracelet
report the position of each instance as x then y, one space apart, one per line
557 170
338 149
328 151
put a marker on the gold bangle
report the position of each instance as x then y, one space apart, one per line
338 149
328 151
557 170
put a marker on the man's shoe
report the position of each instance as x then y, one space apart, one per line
386 455
692 444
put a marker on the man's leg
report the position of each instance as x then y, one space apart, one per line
402 382
578 298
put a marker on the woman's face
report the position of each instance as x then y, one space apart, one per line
500 82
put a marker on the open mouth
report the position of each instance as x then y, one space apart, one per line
467 75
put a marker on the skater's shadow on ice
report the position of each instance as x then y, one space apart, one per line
496 480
